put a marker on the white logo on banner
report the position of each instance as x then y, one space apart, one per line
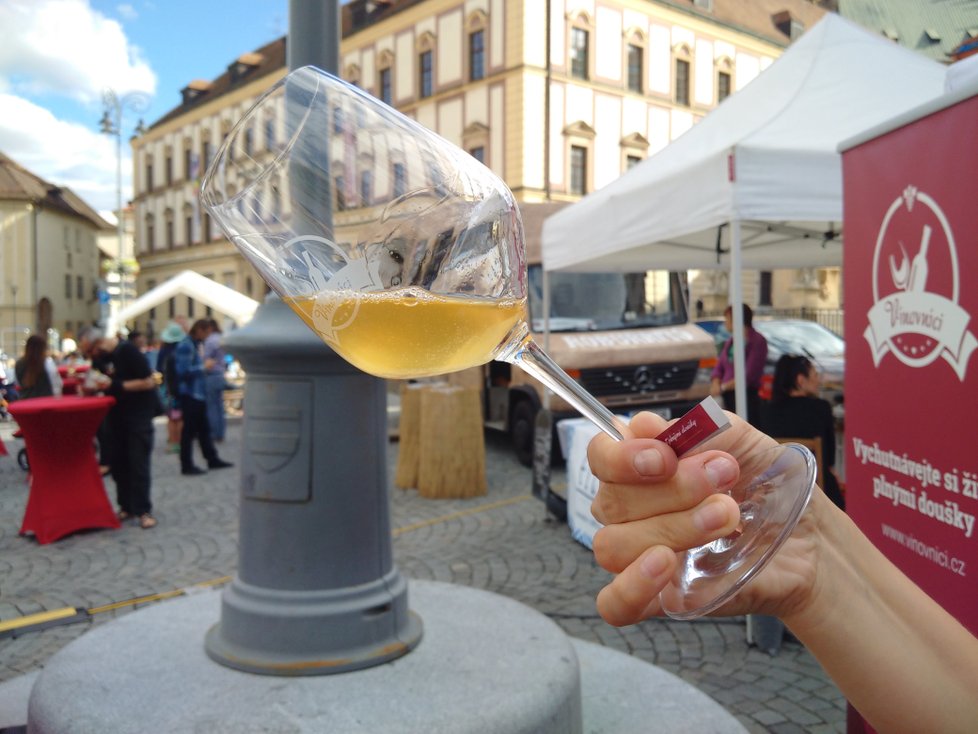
916 325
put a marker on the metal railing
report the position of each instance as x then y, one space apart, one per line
831 318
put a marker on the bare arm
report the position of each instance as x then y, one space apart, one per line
905 663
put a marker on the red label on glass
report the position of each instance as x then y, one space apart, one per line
701 423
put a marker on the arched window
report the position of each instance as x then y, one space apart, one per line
579 45
635 45
724 79
426 65
475 27
682 80
385 77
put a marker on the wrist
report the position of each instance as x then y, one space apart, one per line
837 547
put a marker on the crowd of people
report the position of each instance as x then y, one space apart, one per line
180 375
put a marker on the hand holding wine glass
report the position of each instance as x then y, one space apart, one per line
406 256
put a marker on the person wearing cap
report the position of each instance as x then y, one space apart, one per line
172 335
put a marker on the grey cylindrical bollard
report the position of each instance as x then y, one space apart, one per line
316 589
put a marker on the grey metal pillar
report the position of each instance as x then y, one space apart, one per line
316 590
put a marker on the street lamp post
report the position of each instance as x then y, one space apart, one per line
111 124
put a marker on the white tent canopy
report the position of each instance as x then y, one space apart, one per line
766 157
758 182
203 290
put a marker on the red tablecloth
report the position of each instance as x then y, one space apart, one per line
66 491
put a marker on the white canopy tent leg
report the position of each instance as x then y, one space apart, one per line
737 313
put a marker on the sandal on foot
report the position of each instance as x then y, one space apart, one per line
123 515
147 521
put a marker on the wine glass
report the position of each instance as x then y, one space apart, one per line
402 251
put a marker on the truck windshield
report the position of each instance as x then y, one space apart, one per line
607 301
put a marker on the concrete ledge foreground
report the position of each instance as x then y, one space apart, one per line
486 664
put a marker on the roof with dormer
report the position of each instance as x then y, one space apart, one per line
19 184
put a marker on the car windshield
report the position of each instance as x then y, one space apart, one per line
606 301
801 337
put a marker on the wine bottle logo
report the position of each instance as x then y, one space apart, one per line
916 316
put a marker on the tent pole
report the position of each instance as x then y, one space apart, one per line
737 313
546 327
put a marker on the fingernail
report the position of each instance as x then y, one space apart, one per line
710 517
648 463
655 563
720 471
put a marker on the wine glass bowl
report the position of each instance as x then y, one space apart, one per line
404 253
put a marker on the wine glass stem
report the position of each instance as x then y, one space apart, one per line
533 360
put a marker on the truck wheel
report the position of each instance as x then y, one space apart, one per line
521 431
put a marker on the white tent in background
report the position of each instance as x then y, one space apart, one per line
203 290
758 182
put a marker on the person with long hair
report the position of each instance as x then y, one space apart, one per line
37 375
796 411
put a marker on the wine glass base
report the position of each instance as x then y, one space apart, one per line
771 503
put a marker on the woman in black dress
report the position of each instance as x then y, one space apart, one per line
795 411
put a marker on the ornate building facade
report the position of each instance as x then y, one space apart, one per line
49 259
557 103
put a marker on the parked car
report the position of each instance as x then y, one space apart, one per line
794 336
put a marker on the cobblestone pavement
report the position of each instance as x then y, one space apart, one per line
502 542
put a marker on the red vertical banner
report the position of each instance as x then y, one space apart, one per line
911 301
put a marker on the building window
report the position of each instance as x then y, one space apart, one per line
172 307
249 141
765 288
579 53
479 153
338 120
68 287
635 54
400 180
80 287
578 162
682 82
207 154
366 188
190 308
385 86
188 163
340 193
249 286
150 233
149 175
168 169
150 285
723 86
270 133
425 81
188 229
207 234
168 229
477 56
